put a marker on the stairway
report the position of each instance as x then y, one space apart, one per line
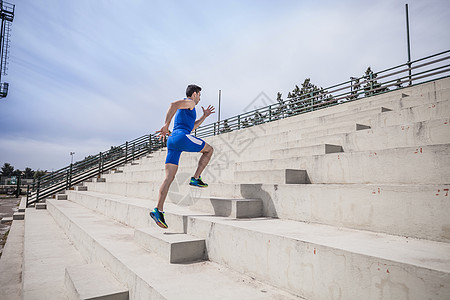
348 202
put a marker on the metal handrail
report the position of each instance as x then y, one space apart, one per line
91 166
397 77
357 88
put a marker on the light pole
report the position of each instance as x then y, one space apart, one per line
71 157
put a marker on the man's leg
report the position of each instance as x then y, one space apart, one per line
204 160
171 171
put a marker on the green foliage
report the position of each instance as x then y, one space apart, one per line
38 174
308 96
7 170
372 86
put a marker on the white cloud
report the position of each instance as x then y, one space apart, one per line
93 70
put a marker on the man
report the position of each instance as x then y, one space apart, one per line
181 140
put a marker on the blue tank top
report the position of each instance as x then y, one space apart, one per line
184 121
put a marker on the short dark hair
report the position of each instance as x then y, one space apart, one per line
192 88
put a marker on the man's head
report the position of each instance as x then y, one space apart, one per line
193 92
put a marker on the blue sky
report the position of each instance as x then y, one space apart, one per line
89 74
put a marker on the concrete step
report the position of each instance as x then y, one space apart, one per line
11 262
81 188
398 135
61 197
378 208
417 211
414 135
275 176
47 252
19 216
6 220
229 207
361 248
23 204
395 100
307 151
41 205
428 112
323 262
99 284
391 166
424 112
174 247
406 135
112 244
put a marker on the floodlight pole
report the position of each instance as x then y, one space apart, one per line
409 44
218 116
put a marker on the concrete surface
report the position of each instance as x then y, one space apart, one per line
93 281
11 263
47 252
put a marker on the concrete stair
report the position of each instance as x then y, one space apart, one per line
229 207
347 202
379 256
175 247
100 284
147 275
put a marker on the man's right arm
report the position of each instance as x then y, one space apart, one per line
174 106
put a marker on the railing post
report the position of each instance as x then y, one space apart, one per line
37 190
28 194
371 84
239 121
133 151
100 158
149 143
126 152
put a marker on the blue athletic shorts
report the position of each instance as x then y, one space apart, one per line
182 142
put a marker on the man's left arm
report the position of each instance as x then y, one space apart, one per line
206 113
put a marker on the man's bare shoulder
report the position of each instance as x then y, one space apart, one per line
184 104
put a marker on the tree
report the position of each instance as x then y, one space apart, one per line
7 170
28 173
38 174
307 96
372 86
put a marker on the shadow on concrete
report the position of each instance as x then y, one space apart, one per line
256 191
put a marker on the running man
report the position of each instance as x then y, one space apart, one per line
181 140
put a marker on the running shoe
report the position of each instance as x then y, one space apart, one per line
158 216
198 182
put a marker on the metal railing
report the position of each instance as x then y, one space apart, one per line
91 166
419 71
422 70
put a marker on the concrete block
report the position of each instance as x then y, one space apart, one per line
362 127
19 216
61 197
46 253
6 220
99 284
228 207
112 244
41 205
408 165
99 179
321 262
306 151
81 188
11 263
23 204
285 176
172 246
